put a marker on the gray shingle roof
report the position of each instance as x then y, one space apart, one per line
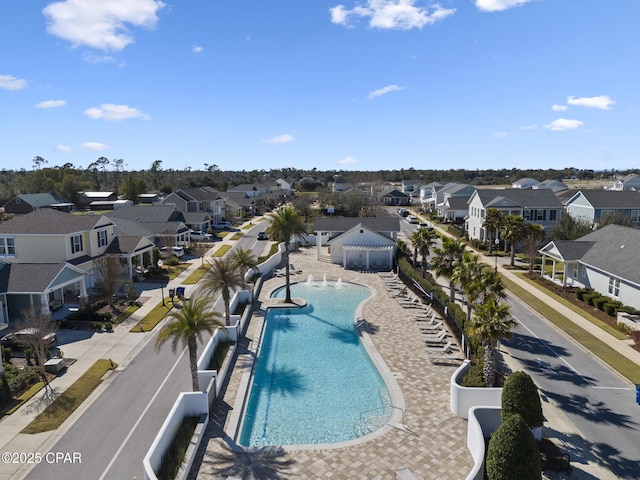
147 214
522 197
610 199
342 224
28 277
48 221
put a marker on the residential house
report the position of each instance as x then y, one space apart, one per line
591 205
86 198
409 186
453 207
628 182
198 199
149 198
250 189
605 260
29 202
365 243
427 193
395 198
525 183
535 206
47 259
555 185
163 225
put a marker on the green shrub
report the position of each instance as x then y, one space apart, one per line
96 326
611 307
28 355
513 452
174 456
580 293
599 302
520 396
7 353
108 326
588 297
20 379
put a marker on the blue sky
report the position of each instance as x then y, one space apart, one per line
343 84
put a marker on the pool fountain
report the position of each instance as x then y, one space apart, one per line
324 280
339 283
309 280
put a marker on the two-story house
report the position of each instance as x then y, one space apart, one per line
198 199
454 204
628 182
163 225
47 258
535 206
591 205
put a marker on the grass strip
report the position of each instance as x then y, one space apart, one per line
154 317
237 236
196 276
20 400
221 251
596 321
600 349
126 314
68 401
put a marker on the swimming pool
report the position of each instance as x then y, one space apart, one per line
314 383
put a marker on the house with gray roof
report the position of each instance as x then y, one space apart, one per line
367 243
395 198
628 182
535 206
47 258
29 202
163 225
605 260
197 199
591 205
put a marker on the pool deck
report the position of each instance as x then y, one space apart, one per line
433 446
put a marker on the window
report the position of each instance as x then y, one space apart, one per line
553 215
76 243
614 286
102 238
7 246
575 270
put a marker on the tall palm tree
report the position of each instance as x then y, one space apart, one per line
244 260
491 224
446 259
512 230
223 276
490 323
468 274
429 240
286 223
187 327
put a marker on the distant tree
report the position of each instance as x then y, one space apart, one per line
512 231
513 452
616 218
531 242
492 223
70 185
186 327
132 187
110 276
38 162
567 228
156 168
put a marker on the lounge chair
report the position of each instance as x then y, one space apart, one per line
438 337
429 326
446 348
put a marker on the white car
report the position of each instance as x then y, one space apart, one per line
166 252
222 226
412 219
200 236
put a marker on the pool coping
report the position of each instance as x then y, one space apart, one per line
395 421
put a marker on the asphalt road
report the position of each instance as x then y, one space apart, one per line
115 432
599 402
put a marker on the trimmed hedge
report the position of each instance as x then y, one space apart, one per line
599 302
520 396
513 452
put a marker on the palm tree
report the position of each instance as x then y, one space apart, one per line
244 260
223 276
189 322
469 274
490 323
491 224
446 259
422 240
512 230
286 223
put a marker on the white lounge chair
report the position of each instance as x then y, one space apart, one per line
446 348
438 337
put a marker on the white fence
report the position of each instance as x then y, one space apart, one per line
463 398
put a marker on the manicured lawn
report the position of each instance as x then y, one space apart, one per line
18 402
196 276
221 251
610 356
64 405
154 317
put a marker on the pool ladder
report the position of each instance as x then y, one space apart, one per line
376 418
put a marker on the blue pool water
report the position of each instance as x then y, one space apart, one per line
314 382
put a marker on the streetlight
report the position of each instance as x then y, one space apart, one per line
160 264
497 242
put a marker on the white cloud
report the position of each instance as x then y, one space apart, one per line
347 161
602 102
384 91
92 58
62 149
98 23
95 146
390 14
500 134
51 104
528 127
559 108
280 139
562 124
111 112
9 82
197 49
499 5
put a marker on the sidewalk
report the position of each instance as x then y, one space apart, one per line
119 346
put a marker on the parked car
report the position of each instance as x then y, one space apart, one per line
262 236
403 211
412 219
20 338
200 236
166 252
222 226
